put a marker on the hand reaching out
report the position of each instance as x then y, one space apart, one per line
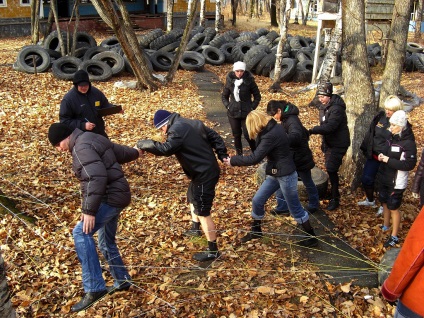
227 161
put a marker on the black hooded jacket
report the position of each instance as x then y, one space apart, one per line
193 144
333 124
77 108
272 142
298 138
248 89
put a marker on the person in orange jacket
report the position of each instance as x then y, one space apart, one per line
406 280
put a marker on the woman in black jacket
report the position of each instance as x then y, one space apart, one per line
298 136
374 143
398 158
335 136
240 96
272 143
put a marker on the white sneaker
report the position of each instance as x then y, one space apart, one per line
367 203
380 211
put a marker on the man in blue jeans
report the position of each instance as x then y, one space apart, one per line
105 192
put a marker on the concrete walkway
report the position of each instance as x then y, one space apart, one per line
337 261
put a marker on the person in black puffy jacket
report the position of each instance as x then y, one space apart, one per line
240 96
272 143
105 192
78 108
374 142
335 136
193 145
398 158
298 135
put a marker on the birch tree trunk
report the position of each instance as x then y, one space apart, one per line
284 18
306 15
192 8
331 55
128 40
169 15
202 13
35 21
6 309
359 94
396 47
418 20
218 11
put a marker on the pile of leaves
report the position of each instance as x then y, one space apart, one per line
265 278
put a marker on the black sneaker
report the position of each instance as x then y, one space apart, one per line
207 255
88 300
280 212
334 204
193 232
312 210
392 241
312 241
123 287
251 236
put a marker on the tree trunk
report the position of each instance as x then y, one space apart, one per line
234 4
359 94
330 58
218 11
169 15
418 20
306 15
8 206
252 9
6 309
53 7
296 14
192 7
284 18
202 13
273 13
128 40
77 18
396 47
35 21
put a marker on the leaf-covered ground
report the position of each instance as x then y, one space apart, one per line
267 278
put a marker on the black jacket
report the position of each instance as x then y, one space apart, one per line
272 142
248 89
298 138
333 124
96 162
402 153
419 176
378 133
193 144
77 108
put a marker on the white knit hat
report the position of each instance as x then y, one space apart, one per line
398 118
239 66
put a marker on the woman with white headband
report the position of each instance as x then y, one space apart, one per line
240 96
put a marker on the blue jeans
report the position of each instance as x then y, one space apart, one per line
311 189
404 312
370 172
288 186
106 224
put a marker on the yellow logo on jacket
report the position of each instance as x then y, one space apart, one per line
97 103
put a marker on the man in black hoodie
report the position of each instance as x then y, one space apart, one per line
335 136
79 106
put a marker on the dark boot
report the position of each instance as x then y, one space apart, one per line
369 192
333 204
210 254
195 229
88 300
255 232
311 241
